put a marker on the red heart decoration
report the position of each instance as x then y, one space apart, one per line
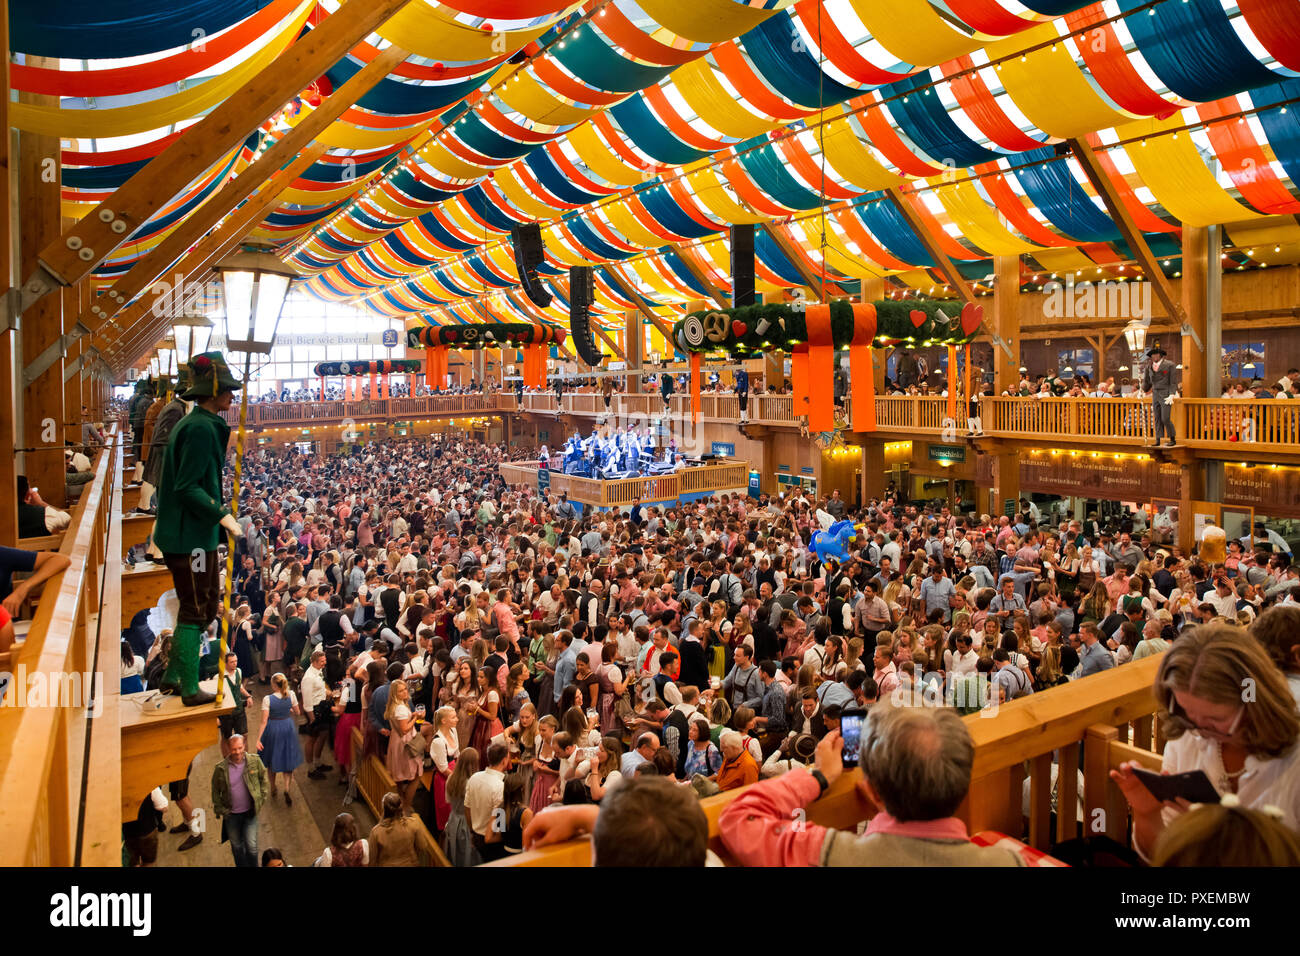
738 328
972 316
918 317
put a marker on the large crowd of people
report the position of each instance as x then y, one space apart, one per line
506 653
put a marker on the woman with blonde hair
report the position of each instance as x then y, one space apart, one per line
545 764
853 655
1226 710
1227 834
402 765
1049 669
277 739
444 751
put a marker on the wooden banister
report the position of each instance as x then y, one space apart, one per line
1029 729
44 749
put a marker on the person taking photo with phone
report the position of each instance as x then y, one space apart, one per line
915 771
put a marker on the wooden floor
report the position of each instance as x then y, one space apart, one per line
300 831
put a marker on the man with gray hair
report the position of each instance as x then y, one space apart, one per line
916 766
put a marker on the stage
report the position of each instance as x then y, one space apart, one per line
688 483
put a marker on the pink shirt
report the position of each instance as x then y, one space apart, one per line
759 828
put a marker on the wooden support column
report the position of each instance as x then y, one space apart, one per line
40 223
72 383
634 345
873 469
1193 301
8 339
1006 374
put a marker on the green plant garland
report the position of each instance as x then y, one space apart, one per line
753 329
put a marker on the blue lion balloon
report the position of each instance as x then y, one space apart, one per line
834 542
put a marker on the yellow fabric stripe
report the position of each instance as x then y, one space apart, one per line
539 104
706 21
556 246
1172 168
912 30
852 159
436 155
700 88
707 188
1049 88
345 135
427 31
1272 231
523 200
1063 260
159 113
621 218
602 160
977 221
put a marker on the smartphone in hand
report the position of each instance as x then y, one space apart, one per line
1193 786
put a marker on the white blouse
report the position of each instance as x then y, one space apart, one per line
1266 781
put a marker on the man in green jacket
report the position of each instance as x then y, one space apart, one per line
190 516
239 785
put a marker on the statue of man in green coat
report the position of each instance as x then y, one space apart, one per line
191 516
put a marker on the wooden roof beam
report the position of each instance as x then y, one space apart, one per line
824 289
92 240
139 324
719 296
941 260
156 262
626 288
1128 228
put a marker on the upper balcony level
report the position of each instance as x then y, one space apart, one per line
1230 429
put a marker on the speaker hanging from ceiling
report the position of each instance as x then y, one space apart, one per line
530 253
582 293
742 265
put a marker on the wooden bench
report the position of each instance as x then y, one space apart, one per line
142 587
49 542
159 742
135 530
130 498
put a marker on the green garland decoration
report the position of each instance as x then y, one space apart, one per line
754 329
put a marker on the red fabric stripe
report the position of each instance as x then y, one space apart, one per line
151 76
1275 24
733 63
838 49
978 102
1109 63
1245 161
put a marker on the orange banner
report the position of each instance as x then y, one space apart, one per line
862 368
820 369
696 371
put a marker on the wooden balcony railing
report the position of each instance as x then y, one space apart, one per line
1229 424
1082 419
1020 739
60 757
621 492
275 414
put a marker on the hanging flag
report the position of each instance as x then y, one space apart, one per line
862 367
820 369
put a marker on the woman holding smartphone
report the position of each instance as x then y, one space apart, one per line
1248 749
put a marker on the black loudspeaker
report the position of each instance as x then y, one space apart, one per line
582 293
530 253
742 266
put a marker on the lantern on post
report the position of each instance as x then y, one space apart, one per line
192 330
254 285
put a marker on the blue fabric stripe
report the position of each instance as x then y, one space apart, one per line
666 211
791 71
771 176
650 136
774 259
1282 129
549 175
92 29
1193 48
489 211
592 242
396 98
1054 191
892 231
922 117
